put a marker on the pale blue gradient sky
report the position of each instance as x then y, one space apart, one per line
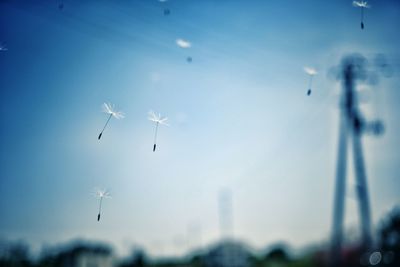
239 119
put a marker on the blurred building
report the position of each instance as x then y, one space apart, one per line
227 254
83 256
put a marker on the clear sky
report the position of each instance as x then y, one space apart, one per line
239 119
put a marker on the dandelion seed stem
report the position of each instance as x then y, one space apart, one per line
155 136
105 125
362 14
101 200
310 82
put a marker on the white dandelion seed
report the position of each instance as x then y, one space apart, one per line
100 194
3 47
362 5
158 119
109 109
311 72
183 44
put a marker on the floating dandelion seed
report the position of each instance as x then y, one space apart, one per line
166 10
184 44
100 194
109 109
158 119
311 72
3 47
362 5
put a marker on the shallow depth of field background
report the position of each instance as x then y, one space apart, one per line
241 125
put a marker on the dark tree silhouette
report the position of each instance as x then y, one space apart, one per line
389 234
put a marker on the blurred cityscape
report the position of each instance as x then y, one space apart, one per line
227 252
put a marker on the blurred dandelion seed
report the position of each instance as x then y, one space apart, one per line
311 72
362 5
109 109
183 44
158 119
166 10
3 47
100 194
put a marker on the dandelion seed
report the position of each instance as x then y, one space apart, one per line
311 72
109 109
100 194
183 44
362 5
166 10
158 119
3 48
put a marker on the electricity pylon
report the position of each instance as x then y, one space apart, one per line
352 126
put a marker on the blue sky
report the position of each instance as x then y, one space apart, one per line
239 116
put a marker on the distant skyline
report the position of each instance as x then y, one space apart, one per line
240 119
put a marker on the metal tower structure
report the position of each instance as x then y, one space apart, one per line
225 214
352 127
